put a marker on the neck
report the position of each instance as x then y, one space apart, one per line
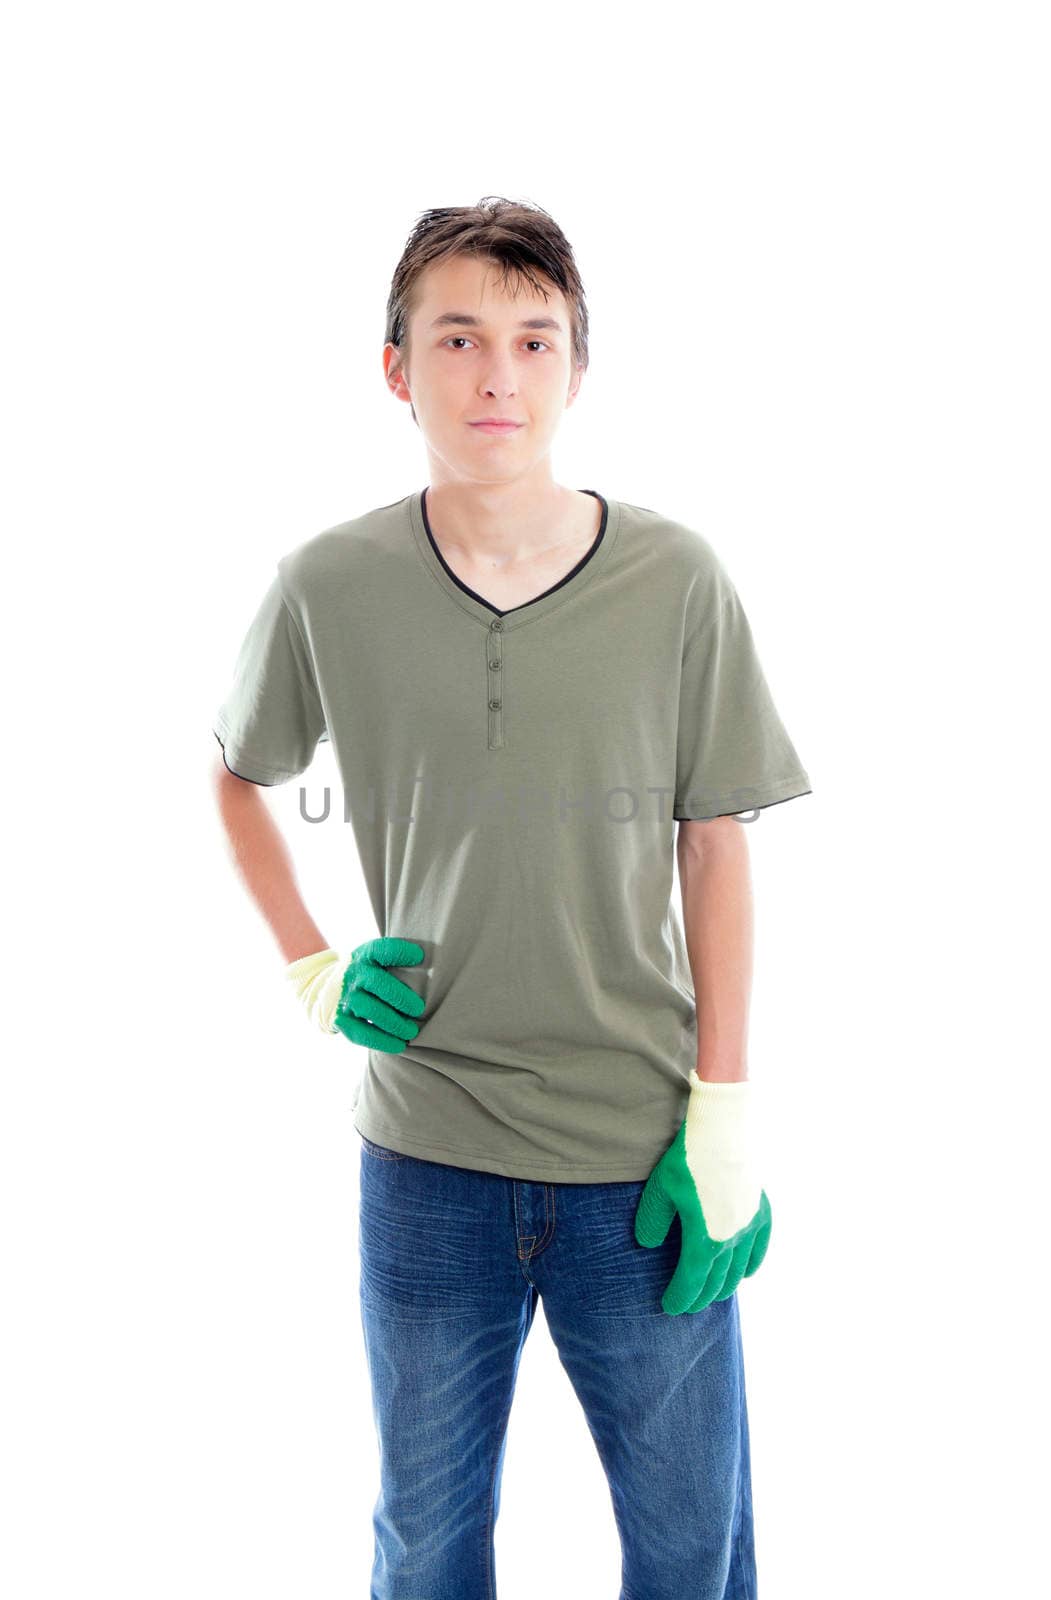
506 524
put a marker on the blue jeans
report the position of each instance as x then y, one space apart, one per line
452 1263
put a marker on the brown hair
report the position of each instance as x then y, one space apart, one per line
521 238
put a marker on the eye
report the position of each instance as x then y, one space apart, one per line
461 339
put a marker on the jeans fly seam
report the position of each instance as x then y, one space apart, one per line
549 1227
549 1219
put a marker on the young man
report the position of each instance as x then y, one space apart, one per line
538 698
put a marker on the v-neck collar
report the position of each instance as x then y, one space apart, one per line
590 563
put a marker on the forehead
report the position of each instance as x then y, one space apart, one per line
469 291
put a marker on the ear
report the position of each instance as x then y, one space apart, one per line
574 387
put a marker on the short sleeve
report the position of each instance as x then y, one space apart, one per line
271 720
733 752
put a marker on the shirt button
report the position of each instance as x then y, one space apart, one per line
495 665
496 625
494 705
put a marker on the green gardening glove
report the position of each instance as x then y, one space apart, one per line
357 996
706 1176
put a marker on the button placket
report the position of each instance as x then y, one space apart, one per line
494 648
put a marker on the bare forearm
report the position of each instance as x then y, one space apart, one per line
264 865
715 875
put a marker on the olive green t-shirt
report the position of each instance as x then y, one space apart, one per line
513 780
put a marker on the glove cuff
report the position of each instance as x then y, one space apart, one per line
306 966
317 980
723 1108
721 1153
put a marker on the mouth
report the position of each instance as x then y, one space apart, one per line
496 427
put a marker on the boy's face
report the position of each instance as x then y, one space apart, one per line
483 362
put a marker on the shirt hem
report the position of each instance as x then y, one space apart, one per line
481 1161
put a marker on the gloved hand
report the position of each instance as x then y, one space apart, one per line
706 1176
357 996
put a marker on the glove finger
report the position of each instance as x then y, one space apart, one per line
364 1033
389 952
735 1271
742 1262
655 1211
692 1274
700 1283
378 981
364 1003
682 1290
762 1238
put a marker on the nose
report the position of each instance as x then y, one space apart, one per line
500 377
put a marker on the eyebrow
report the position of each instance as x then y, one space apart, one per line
463 319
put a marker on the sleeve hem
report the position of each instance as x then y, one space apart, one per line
736 802
243 766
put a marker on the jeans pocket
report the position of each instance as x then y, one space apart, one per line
380 1151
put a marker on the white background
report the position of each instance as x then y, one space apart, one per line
814 240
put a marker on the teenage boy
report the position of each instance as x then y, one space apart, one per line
538 698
